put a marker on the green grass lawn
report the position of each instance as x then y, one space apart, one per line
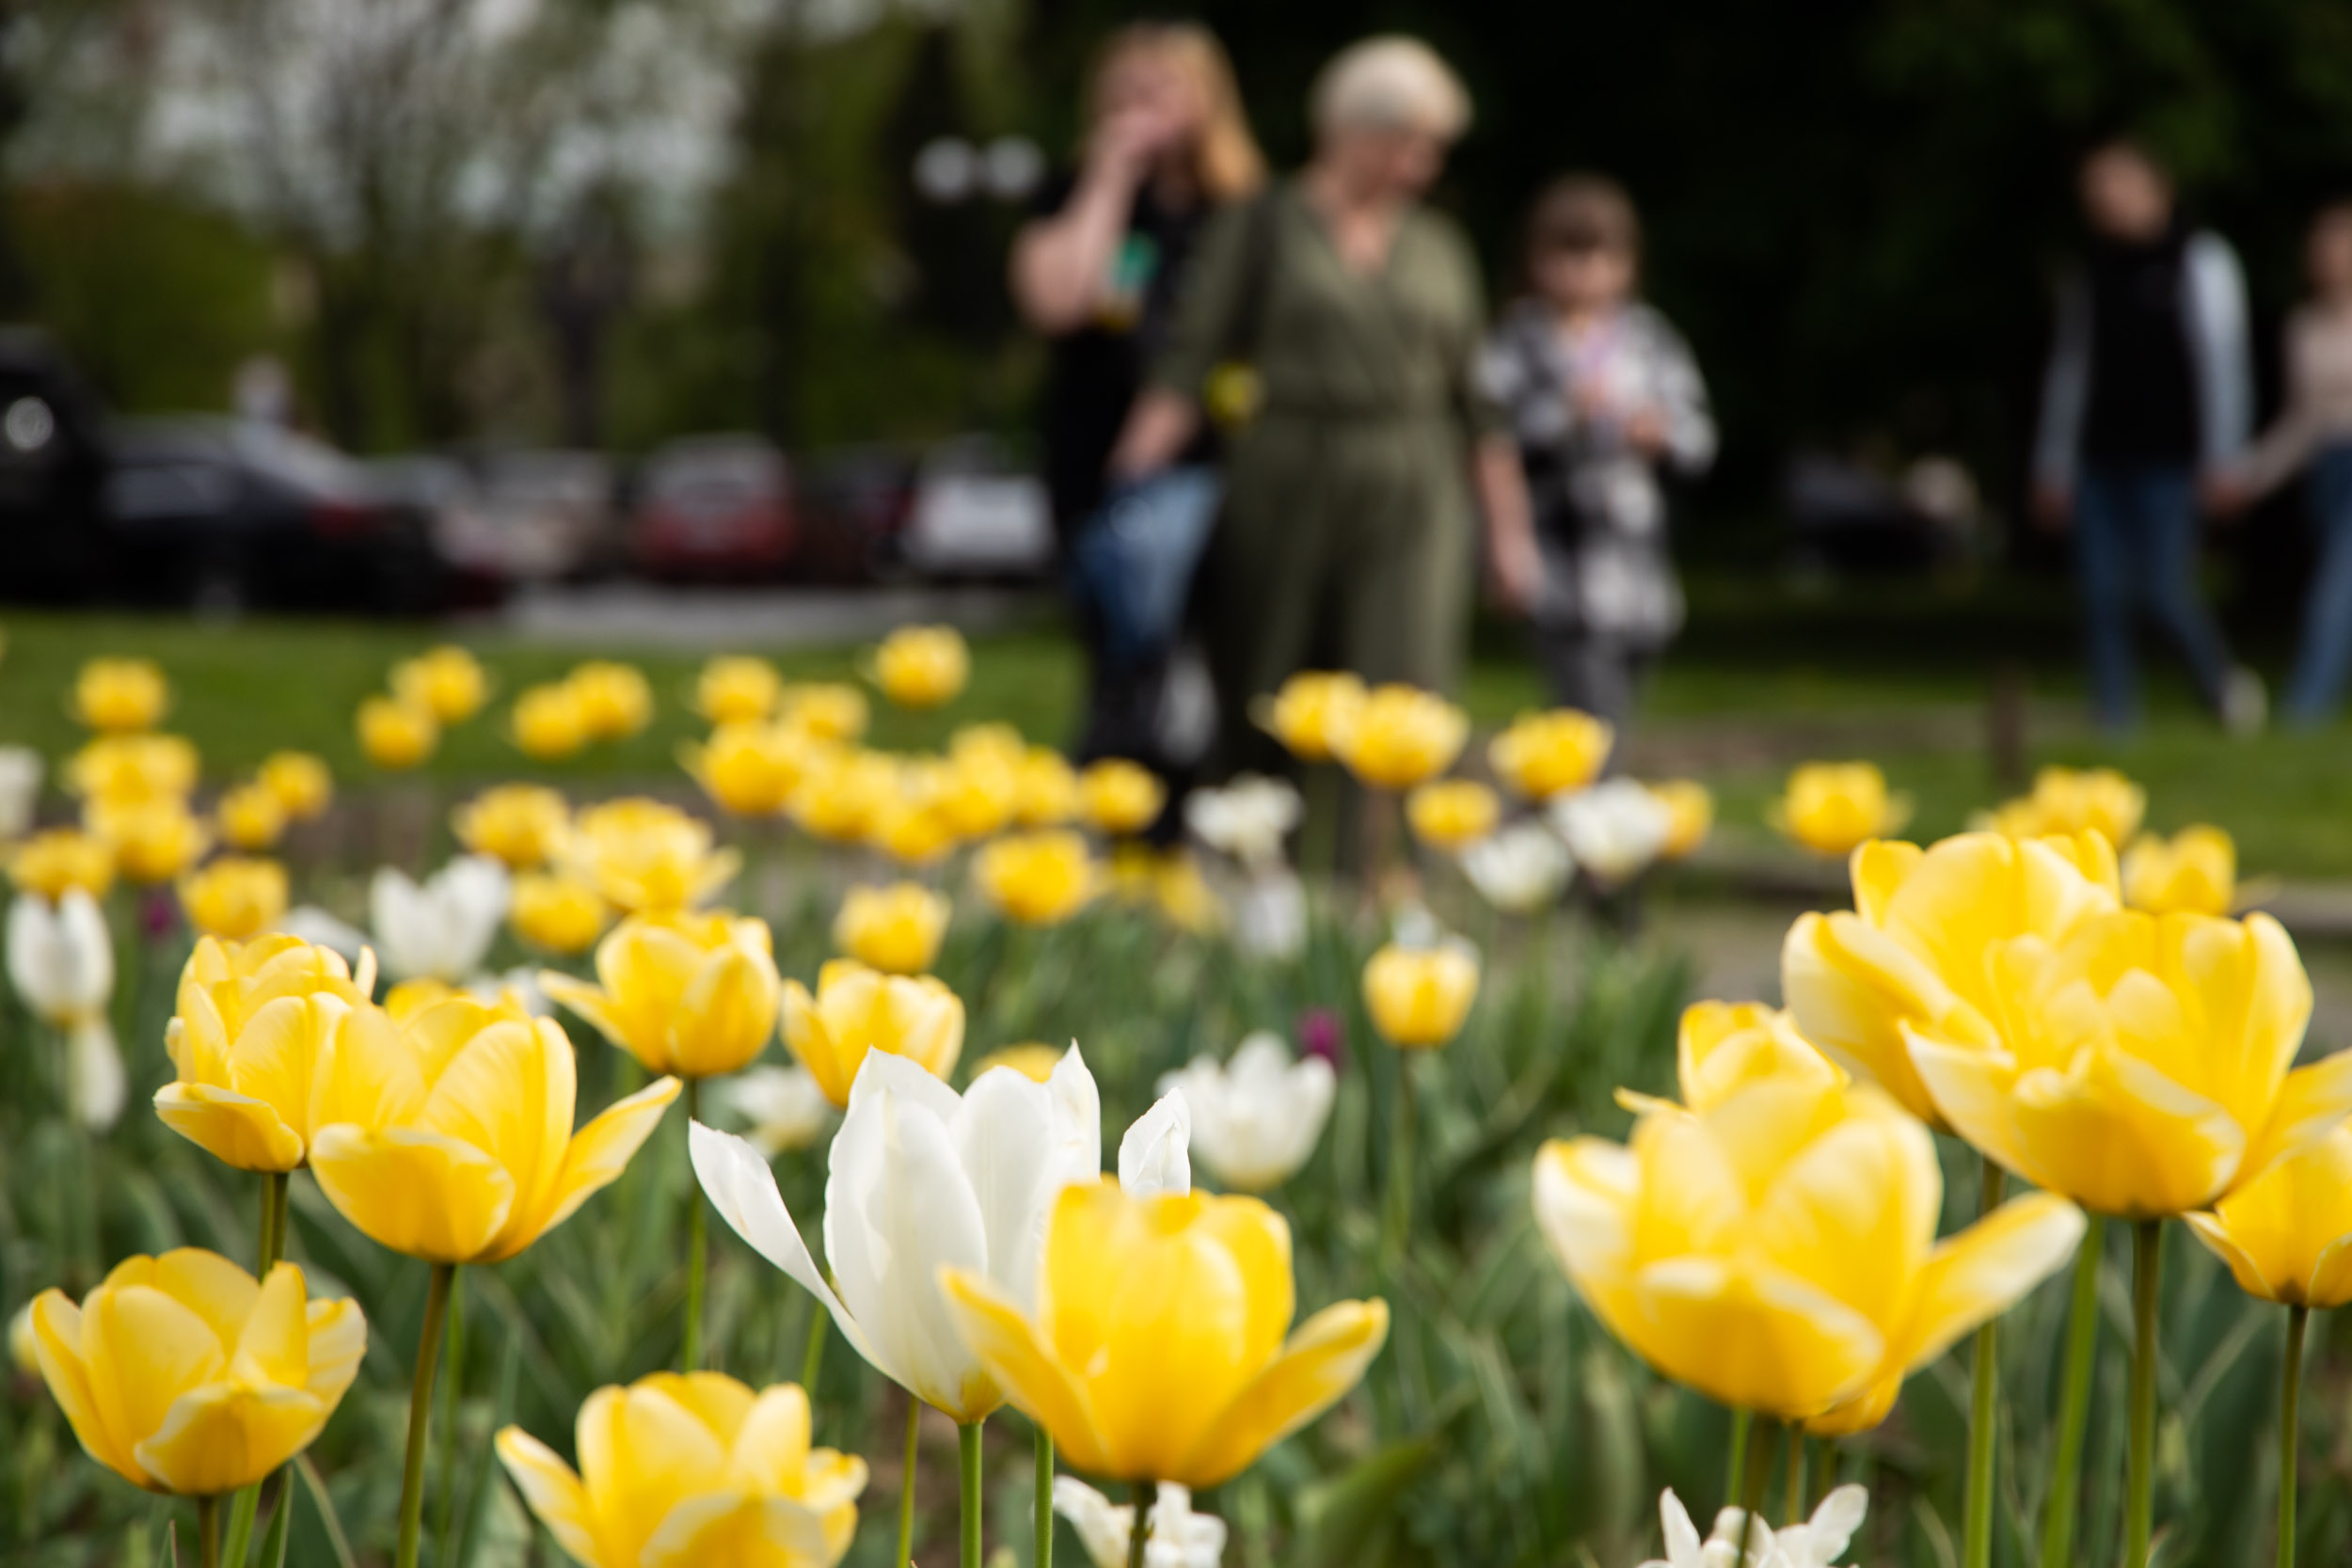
1761 680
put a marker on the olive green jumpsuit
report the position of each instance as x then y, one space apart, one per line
1346 537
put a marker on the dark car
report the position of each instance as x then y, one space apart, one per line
227 514
714 507
53 476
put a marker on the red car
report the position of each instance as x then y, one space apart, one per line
714 506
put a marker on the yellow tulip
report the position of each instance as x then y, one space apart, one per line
1040 878
153 840
830 710
1419 996
1913 950
616 701
550 721
857 1009
1452 813
57 859
121 695
2195 872
979 791
184 1373
251 817
748 768
2287 1234
735 689
1723 1047
2072 800
1045 789
842 796
1690 815
992 742
1119 798
645 857
922 667
1833 808
683 1471
896 929
133 768
235 897
397 735
1776 1250
1183 896
1032 1059
1308 711
1544 754
1157 1350
254 1019
1400 735
2141 1066
449 1138
560 913
913 833
447 681
300 780
522 825
693 994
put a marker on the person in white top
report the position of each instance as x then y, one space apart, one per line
2313 434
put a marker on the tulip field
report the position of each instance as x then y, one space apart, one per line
483 1108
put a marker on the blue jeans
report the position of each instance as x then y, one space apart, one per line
2320 668
2136 543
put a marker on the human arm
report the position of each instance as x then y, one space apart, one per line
2065 390
1678 426
1062 265
1513 561
2215 309
1169 412
2284 447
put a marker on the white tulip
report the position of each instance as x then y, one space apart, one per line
1614 828
921 1179
1155 1156
784 1106
519 985
1248 820
442 928
1520 869
1179 1537
19 789
1270 914
1255 1119
1821 1541
1734 1543
61 958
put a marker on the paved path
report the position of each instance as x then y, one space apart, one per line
642 615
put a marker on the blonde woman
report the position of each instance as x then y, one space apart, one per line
1347 530
1099 273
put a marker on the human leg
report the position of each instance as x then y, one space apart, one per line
1262 585
2325 660
2168 533
2101 520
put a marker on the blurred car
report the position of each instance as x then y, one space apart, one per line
53 475
220 513
714 506
976 514
512 517
852 507
1847 516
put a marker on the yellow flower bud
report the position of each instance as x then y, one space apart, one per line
1690 815
2072 800
1045 789
303 785
397 735
1032 1059
896 929
856 1009
152 840
1544 754
447 682
1419 996
1401 735
842 795
121 695
53 861
1834 808
734 690
234 898
560 913
922 667
550 723
133 768
1119 798
747 767
1040 878
1450 813
645 857
616 701
691 995
1310 711
522 825
251 817
829 710
2195 872
2282 1233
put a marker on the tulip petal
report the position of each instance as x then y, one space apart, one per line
552 1493
416 1192
207 1284
742 1187
57 1346
1155 1157
275 1344
1849 987
2330 1282
509 1091
806 1037
2313 1101
339 1343
1325 1359
2210 1230
142 1350
220 1437
278 1049
1583 1193
726 1015
2130 1142
237 1130
1988 1267
599 1151
585 1001
1755 1338
1004 1133
1025 1367
771 1446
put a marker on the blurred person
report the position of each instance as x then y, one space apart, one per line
2146 400
1603 393
2314 434
1099 272
1346 536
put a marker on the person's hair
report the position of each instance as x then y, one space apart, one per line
1390 83
1227 165
2123 144
1580 212
2331 214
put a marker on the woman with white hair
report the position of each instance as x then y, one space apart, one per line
1346 538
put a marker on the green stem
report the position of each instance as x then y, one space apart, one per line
906 1481
1743 1422
2141 1476
420 1414
453 1349
2082 1355
2289 1390
969 1493
1140 1531
1795 1507
696 1246
243 1508
813 1358
272 1245
1399 1219
208 1531
1751 1491
1044 1444
1983 1408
